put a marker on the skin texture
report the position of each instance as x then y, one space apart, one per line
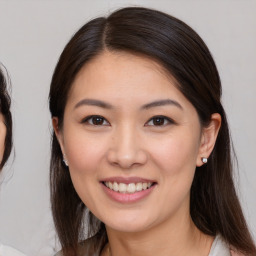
129 143
2 136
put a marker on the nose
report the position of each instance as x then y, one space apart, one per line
126 149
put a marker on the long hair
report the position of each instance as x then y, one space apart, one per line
214 206
5 104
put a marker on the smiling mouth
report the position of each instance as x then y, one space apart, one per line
128 188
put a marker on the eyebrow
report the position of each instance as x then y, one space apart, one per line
102 104
159 103
92 102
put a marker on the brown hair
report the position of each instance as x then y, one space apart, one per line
215 208
5 103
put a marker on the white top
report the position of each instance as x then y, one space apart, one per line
219 247
8 251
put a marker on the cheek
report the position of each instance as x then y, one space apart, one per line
176 159
175 152
84 153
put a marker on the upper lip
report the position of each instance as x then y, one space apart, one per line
127 180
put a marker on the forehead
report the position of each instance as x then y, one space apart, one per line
111 61
118 75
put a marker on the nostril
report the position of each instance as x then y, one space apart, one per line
126 158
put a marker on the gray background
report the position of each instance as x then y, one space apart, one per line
32 36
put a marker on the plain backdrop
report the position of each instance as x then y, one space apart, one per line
32 36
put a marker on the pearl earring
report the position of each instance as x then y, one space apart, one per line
204 160
64 160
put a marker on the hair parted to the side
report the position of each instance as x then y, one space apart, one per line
215 207
5 104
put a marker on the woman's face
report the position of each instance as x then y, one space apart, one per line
132 142
2 136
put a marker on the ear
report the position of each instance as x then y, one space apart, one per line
58 133
208 138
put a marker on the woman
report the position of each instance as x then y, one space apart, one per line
141 145
5 122
5 143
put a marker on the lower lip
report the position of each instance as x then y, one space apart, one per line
126 197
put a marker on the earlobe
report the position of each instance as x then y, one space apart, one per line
208 139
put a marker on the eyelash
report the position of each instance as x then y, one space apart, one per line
164 119
92 120
89 120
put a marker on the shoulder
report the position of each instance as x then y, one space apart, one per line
9 251
58 253
233 252
221 247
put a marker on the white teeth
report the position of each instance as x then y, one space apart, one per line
128 188
138 186
122 188
144 186
115 186
131 188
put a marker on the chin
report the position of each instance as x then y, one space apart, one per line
130 224
127 228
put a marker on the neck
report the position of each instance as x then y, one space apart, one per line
183 238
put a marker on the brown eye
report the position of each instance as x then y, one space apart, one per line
95 120
159 121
